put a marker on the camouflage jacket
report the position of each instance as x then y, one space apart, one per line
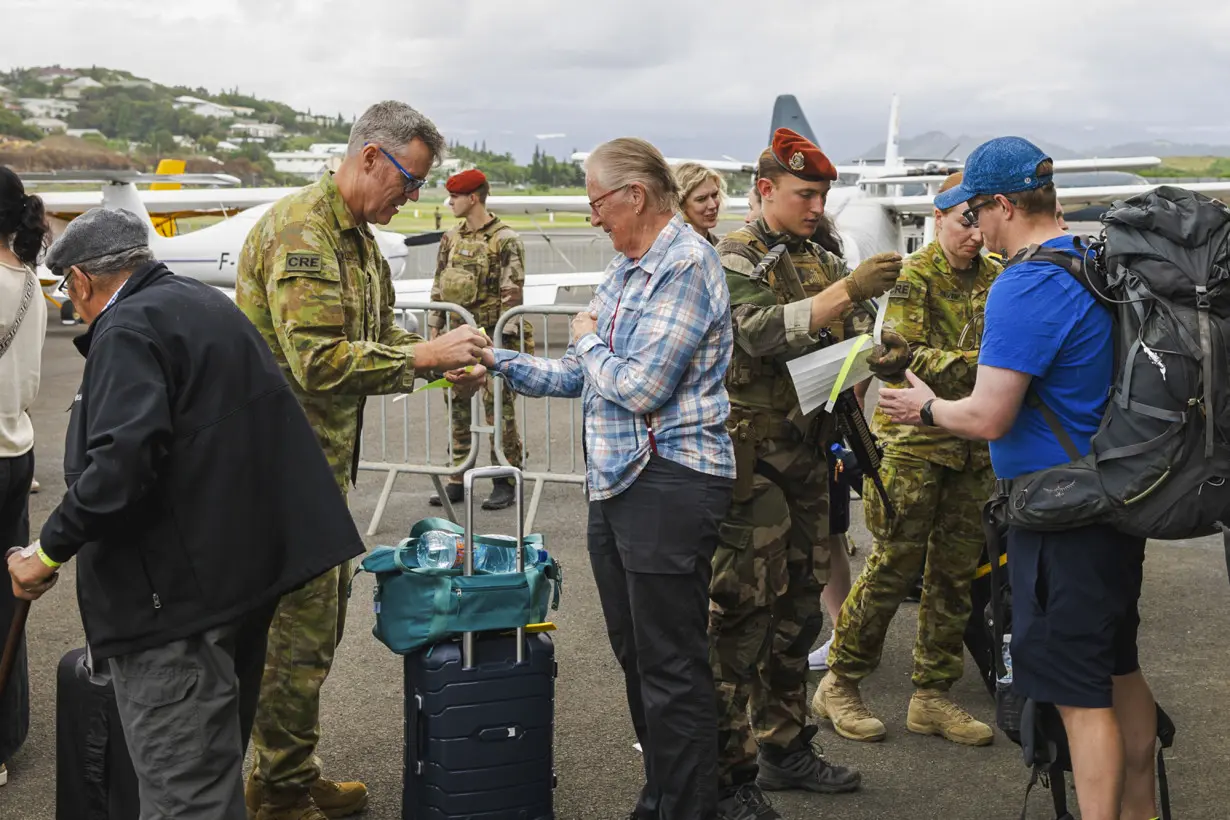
314 282
771 320
941 317
482 270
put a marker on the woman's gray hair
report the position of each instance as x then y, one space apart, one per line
628 160
123 262
392 125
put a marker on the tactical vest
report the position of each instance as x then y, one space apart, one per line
763 382
471 275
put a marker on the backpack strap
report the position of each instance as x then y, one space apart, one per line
1052 421
1077 264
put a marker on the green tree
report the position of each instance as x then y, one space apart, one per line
12 126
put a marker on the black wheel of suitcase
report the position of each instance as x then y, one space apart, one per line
94 775
480 716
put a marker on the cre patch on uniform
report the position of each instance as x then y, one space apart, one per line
901 290
303 262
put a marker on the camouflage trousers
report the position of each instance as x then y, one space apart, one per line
769 569
306 630
938 519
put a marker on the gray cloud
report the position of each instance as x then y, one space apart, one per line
696 77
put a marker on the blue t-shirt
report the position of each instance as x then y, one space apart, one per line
1040 320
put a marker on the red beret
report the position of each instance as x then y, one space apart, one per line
467 182
800 157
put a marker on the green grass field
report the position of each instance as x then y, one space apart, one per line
1218 167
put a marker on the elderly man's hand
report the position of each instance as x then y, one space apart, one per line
31 577
466 381
901 405
584 322
460 347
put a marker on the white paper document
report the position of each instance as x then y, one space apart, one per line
819 377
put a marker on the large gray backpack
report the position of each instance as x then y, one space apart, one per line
1161 457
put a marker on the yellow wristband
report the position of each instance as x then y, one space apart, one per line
46 559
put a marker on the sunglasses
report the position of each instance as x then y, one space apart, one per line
969 217
412 183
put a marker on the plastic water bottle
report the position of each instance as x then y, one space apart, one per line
1006 679
438 549
494 558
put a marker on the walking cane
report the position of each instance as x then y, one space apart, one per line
16 628
10 644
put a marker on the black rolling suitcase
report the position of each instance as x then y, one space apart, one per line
480 716
94 775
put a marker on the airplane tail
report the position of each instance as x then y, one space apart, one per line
787 113
125 195
892 150
166 225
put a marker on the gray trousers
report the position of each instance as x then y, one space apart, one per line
187 709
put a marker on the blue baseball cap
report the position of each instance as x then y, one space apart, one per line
1004 165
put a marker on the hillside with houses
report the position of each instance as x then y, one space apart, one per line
55 118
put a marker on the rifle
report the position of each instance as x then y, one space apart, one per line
853 426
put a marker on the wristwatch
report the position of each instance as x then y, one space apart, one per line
924 413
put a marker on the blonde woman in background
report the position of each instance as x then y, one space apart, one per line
701 191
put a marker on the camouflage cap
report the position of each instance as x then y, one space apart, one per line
97 232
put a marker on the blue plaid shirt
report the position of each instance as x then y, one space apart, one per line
655 367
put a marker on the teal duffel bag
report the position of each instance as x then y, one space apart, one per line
419 606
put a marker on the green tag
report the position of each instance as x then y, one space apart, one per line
439 383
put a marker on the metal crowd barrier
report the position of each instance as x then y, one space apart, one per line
393 453
569 467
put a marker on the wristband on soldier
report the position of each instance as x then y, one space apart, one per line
924 413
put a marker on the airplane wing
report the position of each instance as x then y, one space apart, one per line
1069 198
183 202
570 204
725 165
540 289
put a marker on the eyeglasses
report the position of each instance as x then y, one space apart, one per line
413 183
594 203
969 217
64 280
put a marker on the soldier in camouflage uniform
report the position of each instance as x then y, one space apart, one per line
481 267
314 282
938 484
788 298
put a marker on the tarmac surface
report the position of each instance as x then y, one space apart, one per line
1183 649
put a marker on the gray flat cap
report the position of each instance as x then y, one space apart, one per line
97 232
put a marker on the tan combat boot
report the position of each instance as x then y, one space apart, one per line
333 800
932 713
839 701
288 805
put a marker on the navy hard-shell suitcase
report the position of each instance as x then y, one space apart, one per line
95 779
480 716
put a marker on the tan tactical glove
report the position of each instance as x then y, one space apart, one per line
875 276
889 359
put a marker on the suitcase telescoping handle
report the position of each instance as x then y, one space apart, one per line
494 473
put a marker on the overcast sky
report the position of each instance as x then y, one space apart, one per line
696 77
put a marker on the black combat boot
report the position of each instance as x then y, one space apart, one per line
502 495
746 802
799 766
456 494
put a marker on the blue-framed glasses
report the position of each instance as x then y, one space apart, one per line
412 183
